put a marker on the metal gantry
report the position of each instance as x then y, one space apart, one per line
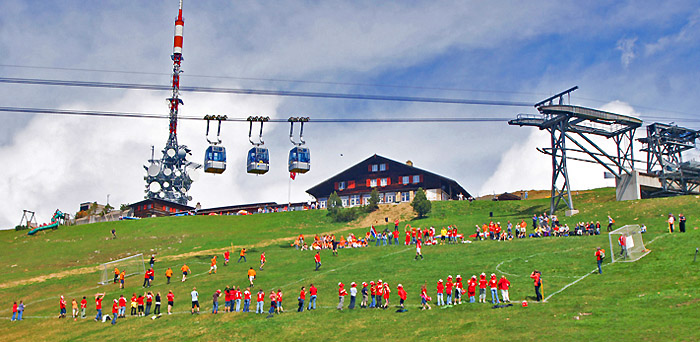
664 146
578 125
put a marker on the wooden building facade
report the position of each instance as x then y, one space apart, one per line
396 182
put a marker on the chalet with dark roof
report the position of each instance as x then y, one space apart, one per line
396 182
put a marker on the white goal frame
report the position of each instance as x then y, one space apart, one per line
107 272
633 241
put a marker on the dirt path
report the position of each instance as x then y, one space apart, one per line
403 211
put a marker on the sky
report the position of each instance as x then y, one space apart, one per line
630 57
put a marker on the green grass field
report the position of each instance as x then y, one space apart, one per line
655 298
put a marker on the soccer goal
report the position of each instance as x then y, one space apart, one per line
131 265
633 248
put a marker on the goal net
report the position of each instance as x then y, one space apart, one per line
626 244
130 265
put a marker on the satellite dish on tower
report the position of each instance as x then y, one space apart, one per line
154 187
178 173
193 175
166 185
171 152
167 172
153 170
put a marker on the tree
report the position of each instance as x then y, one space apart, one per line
334 203
124 207
420 203
373 200
106 210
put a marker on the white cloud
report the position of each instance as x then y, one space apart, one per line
686 36
626 47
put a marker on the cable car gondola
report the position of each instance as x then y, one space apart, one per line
258 159
299 156
215 155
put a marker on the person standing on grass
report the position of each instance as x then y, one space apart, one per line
379 291
471 289
215 302
121 279
242 256
482 287
14 312
317 259
134 305
440 293
83 307
227 299
185 270
458 289
213 265
116 274
424 298
251 276
156 311
246 300
353 295
387 292
448 289
504 285
599 255
195 300
373 290
312 299
168 274
402 295
149 302
671 221
681 223
280 309
262 260
227 254
418 252
273 304
151 276
115 311
62 307
146 278
610 223
537 278
365 295
139 301
622 241
20 310
74 312
98 305
122 306
237 298
341 295
301 298
493 284
260 303
171 301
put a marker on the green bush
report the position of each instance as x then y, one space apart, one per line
420 203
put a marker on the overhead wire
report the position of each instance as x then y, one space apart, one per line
93 113
243 91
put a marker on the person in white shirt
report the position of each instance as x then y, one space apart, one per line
195 300
353 295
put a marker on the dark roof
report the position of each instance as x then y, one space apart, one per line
360 171
507 197
162 202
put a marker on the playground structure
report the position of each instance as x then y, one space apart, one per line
59 218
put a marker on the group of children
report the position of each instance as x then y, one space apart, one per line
379 292
454 290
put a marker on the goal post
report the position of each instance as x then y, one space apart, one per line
633 248
132 265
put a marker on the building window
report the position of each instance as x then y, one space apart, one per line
405 196
344 199
365 199
341 185
382 182
381 198
322 203
354 200
390 197
375 167
405 179
382 167
373 183
351 184
416 179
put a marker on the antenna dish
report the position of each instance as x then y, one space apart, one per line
154 187
167 172
153 170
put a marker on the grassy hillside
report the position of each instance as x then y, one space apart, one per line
652 299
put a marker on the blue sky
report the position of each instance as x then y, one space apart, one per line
634 57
